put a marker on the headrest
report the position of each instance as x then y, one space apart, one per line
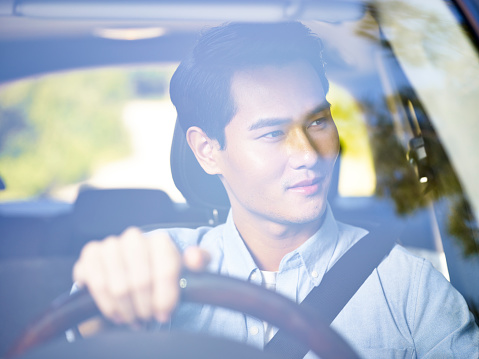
199 188
98 213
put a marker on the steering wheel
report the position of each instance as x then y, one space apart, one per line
302 324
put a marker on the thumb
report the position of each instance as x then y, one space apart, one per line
195 258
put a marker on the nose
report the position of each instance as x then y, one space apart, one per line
300 149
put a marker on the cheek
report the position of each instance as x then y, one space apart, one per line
328 144
255 164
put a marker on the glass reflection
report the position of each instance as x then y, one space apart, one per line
419 102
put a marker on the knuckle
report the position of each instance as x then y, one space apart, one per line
89 249
166 261
131 231
166 291
161 240
141 284
133 243
119 290
108 312
165 301
109 242
167 272
167 251
96 284
142 309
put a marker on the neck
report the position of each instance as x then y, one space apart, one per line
269 241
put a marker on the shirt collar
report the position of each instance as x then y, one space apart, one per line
315 254
317 251
239 262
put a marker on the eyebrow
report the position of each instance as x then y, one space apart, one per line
323 106
271 122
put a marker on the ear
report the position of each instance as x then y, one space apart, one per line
204 148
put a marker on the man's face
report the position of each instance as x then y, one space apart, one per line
281 145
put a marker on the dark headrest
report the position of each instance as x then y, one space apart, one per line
199 188
98 213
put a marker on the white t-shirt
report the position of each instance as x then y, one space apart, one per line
269 282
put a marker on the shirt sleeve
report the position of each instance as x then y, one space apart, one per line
442 325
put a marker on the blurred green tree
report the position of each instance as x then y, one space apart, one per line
56 129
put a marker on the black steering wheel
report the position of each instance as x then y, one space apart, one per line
299 322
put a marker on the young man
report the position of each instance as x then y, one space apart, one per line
252 101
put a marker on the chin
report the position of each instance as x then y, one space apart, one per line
303 215
307 219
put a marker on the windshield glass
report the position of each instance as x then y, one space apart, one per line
115 127
110 124
440 60
389 125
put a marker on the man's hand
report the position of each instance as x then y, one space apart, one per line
133 277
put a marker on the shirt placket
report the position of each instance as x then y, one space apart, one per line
254 326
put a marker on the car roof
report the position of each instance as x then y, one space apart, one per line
56 32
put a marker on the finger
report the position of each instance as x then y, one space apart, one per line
80 269
137 261
196 259
166 265
78 274
89 272
117 283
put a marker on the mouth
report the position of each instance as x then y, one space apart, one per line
307 187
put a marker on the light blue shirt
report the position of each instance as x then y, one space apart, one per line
405 309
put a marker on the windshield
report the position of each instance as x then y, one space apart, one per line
110 123
90 148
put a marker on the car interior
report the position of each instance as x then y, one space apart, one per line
413 180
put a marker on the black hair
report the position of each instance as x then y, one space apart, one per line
200 87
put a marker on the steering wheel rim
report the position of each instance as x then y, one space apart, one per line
301 323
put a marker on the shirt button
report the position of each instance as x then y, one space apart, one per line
314 274
253 276
254 330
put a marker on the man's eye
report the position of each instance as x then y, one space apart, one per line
318 122
273 134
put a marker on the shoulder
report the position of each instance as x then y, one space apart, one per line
434 306
402 273
402 266
400 257
426 291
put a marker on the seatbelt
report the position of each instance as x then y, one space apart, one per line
338 286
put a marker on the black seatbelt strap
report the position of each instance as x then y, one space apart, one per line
338 286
